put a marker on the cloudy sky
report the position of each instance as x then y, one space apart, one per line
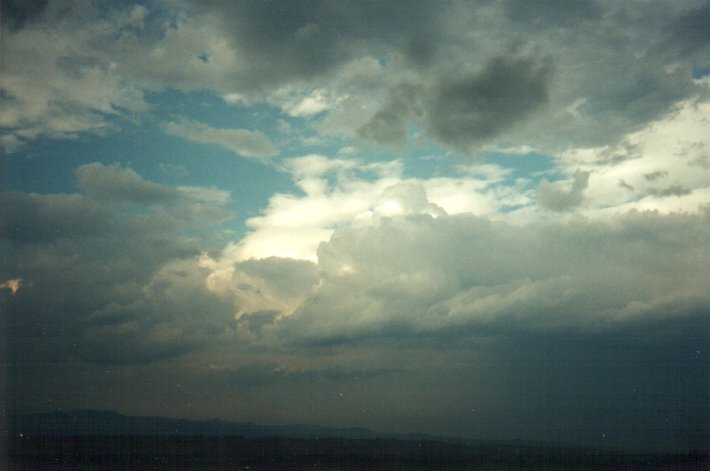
487 219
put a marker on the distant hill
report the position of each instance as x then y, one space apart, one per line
107 423
107 440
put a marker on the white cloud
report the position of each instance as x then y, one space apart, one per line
315 165
461 273
270 285
341 192
253 144
356 207
413 274
236 99
405 198
670 150
58 82
300 104
210 195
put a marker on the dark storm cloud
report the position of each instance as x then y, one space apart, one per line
638 387
628 63
642 94
553 13
292 40
173 314
110 275
15 13
690 33
271 374
468 108
44 218
617 58
463 109
135 345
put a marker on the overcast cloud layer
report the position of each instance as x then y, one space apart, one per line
488 219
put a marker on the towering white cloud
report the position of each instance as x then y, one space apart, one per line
459 275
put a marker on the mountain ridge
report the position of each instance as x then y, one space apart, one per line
91 422
90 439
105 422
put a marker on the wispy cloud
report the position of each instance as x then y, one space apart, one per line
245 143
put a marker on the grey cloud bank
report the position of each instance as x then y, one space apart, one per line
603 53
628 293
421 275
99 272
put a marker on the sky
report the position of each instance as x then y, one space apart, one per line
486 219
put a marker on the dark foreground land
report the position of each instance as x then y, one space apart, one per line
236 453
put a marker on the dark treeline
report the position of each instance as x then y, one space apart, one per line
273 453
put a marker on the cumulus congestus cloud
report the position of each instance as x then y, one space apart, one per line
462 275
